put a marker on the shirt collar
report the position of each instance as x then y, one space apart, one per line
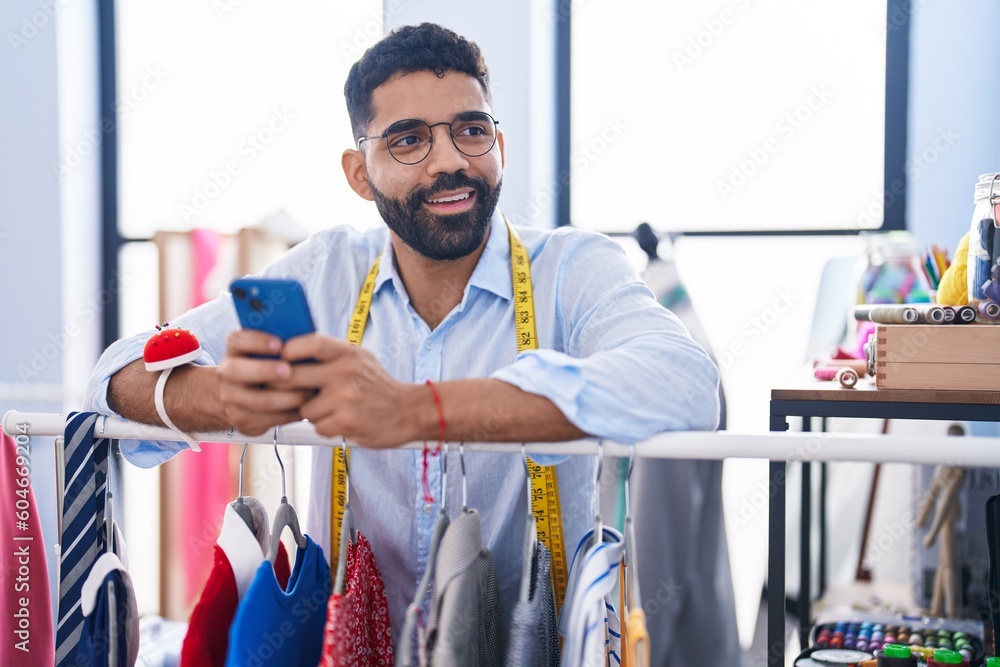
492 272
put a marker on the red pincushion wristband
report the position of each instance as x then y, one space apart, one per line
164 351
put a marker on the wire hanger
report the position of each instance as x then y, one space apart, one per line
465 482
285 516
242 509
530 534
632 580
598 522
638 638
404 657
347 533
109 500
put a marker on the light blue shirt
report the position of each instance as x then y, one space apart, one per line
616 363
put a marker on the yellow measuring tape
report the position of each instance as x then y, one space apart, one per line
545 504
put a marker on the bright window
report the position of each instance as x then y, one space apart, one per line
728 114
232 110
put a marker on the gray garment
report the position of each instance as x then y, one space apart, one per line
683 560
467 624
534 635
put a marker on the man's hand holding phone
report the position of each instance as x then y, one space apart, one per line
253 376
278 370
252 383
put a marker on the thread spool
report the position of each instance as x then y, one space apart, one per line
888 314
992 662
965 315
930 314
989 309
896 655
946 658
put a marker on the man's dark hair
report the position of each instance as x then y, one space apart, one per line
425 47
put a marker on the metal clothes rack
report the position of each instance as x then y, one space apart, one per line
779 447
785 446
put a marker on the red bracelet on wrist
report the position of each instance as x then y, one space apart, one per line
437 401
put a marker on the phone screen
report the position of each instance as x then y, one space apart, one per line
274 306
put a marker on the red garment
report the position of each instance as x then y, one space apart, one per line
207 638
357 622
25 606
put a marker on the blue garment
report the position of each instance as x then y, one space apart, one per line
614 361
106 626
283 628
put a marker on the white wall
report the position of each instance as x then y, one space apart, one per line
954 92
49 227
29 190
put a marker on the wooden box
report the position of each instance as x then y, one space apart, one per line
937 356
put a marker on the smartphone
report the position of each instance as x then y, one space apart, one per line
274 306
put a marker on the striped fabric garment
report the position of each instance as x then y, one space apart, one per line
81 541
588 621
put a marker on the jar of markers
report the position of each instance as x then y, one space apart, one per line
984 249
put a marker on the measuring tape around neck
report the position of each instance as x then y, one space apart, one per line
545 503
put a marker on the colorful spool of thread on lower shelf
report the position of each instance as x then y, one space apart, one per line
945 657
896 655
871 637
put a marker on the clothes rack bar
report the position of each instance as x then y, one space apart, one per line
784 446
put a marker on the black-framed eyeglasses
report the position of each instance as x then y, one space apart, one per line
409 141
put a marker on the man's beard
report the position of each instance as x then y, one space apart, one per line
440 237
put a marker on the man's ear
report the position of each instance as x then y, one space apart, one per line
353 162
500 143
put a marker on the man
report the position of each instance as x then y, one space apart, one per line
612 363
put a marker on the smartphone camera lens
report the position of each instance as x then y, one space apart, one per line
257 304
239 293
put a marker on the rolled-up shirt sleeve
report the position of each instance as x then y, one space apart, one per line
630 369
209 322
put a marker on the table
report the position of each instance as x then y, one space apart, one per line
828 399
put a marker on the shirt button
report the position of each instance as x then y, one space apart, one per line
428 507
429 345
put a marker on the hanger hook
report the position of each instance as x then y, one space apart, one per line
465 486
444 474
628 480
246 446
232 431
284 495
598 528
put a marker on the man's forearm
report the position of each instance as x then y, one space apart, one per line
493 410
191 397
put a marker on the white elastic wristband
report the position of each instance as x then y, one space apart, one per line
161 409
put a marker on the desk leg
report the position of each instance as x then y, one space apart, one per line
776 566
822 521
805 560
805 546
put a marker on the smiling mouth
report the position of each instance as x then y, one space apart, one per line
449 200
